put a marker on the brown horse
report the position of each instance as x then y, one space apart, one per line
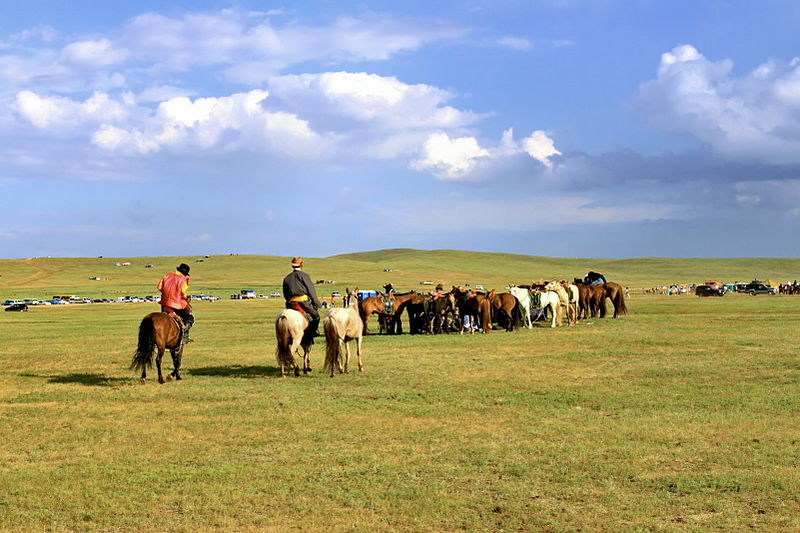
476 305
616 293
375 305
505 309
162 331
591 300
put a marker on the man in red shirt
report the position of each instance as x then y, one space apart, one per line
174 298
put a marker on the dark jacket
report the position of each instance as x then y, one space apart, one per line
299 283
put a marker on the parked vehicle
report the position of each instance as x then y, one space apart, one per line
756 287
17 307
709 290
12 302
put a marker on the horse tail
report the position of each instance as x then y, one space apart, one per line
143 356
332 348
283 352
619 304
485 308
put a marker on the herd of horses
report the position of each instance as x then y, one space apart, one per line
465 310
459 310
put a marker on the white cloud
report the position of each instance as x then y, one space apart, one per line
516 43
96 53
461 158
56 112
372 98
755 116
236 122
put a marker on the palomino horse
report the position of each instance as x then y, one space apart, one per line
616 293
376 305
476 305
506 309
574 296
341 326
563 298
162 331
290 326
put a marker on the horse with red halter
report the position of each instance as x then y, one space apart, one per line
159 331
377 305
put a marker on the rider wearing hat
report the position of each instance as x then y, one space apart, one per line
174 298
298 291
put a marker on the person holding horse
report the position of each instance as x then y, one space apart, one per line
174 298
299 293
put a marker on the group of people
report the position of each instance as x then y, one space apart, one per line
298 291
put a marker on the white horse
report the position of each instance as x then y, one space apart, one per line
563 297
524 299
342 325
290 325
547 299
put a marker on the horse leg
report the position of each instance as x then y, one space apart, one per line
346 356
306 359
176 364
158 364
358 353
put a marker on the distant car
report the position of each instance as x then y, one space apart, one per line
709 290
336 294
17 307
756 287
275 294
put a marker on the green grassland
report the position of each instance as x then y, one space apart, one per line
225 274
679 417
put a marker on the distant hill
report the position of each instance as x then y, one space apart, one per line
405 268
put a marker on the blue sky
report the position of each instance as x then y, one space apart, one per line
575 128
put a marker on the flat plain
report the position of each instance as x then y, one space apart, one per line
681 416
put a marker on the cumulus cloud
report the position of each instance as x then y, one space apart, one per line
54 112
755 116
370 98
226 123
462 158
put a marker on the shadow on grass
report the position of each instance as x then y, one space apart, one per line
236 371
90 380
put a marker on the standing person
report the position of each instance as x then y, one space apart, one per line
298 291
174 298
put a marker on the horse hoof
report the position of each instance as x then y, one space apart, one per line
178 377
161 381
142 381
169 377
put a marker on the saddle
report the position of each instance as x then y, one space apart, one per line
299 308
179 323
536 299
388 305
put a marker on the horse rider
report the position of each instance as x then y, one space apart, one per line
298 291
593 278
174 298
438 293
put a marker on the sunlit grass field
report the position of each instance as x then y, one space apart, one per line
682 416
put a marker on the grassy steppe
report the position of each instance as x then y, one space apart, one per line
225 274
679 417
